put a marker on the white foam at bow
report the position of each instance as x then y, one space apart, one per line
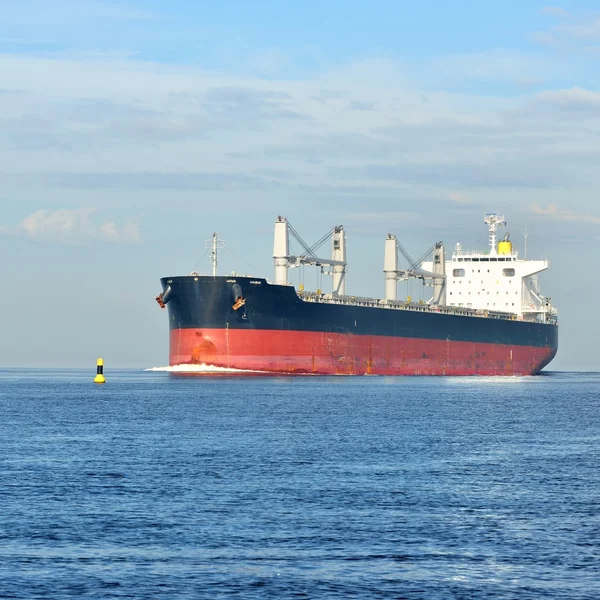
199 369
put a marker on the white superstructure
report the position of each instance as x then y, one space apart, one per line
496 280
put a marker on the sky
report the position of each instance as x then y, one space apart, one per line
130 131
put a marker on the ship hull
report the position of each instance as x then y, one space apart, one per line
274 331
320 353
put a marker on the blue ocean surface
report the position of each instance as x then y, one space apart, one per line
162 486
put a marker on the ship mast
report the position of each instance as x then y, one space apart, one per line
493 221
214 255
214 244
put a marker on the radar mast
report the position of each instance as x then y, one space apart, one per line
493 221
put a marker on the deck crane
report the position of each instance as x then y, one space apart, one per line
285 261
436 279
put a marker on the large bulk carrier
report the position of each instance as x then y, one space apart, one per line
486 315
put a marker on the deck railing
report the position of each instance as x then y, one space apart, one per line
544 315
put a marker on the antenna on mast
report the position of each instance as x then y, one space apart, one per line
526 235
216 243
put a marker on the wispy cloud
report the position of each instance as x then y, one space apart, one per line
460 198
68 226
589 29
68 11
555 213
156 180
572 31
555 11
494 66
357 105
82 124
269 62
584 102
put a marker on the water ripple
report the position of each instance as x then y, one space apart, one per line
156 486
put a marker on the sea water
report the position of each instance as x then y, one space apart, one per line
162 486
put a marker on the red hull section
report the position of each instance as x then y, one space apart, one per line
320 353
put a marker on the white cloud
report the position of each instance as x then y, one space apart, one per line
66 226
142 129
574 98
555 213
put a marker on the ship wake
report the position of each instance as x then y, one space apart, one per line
203 369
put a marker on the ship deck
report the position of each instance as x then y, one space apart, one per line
534 316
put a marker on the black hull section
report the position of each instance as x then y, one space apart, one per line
207 303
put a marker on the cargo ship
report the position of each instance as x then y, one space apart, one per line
486 315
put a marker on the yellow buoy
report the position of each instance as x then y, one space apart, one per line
99 372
